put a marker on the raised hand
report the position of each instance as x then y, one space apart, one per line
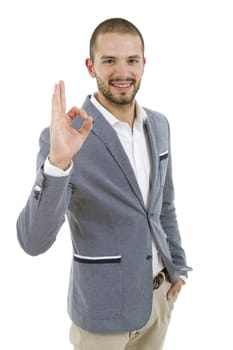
65 141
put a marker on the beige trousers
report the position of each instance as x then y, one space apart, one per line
149 337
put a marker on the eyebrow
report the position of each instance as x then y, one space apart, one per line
114 57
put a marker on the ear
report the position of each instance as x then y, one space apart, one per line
90 67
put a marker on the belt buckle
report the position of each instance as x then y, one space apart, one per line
156 283
158 280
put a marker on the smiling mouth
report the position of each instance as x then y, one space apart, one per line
122 86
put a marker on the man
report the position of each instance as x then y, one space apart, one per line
107 167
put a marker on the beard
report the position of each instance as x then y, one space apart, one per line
125 98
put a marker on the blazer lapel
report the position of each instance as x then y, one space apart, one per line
107 134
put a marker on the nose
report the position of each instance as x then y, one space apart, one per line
122 69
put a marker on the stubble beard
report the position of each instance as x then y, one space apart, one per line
121 100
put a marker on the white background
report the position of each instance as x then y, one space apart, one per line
189 78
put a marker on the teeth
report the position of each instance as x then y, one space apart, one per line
122 85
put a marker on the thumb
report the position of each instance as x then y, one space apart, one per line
171 293
86 126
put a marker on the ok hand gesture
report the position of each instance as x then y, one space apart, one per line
65 141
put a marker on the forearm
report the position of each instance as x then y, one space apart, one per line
40 220
168 217
170 226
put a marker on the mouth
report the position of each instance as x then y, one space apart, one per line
122 86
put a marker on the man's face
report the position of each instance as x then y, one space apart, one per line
118 67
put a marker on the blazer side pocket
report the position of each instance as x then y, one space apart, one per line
98 286
97 259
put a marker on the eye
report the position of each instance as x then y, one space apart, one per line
133 61
108 61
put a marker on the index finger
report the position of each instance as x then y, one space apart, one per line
75 111
56 104
62 96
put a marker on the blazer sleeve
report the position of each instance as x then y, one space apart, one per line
168 217
44 213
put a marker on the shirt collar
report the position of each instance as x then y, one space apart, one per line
138 122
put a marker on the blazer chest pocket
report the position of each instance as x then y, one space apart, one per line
163 162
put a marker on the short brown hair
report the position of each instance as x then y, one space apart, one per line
114 25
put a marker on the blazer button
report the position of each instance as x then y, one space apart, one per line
149 257
37 192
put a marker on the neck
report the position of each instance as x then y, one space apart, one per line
124 113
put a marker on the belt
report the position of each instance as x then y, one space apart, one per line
159 278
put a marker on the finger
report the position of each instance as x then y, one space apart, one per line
86 127
175 289
87 120
75 111
56 107
62 96
171 293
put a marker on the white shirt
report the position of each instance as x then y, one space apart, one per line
136 147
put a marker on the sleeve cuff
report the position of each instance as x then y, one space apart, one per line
52 170
184 278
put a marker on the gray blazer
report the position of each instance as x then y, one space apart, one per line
110 287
